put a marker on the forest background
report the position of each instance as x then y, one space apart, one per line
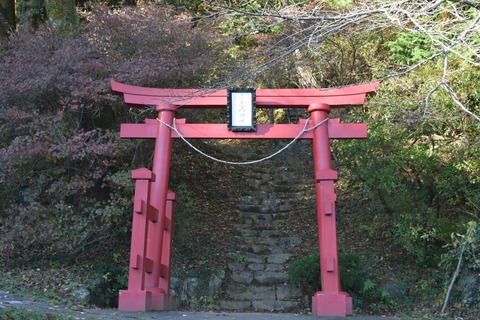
65 187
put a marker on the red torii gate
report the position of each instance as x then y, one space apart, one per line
150 264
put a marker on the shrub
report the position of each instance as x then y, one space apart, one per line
64 172
305 273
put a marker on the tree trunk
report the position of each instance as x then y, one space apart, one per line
32 13
62 14
7 17
306 79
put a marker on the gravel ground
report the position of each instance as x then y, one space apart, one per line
14 301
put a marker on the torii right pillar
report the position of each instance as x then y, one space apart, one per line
331 301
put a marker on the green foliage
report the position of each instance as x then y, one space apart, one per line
204 303
62 15
338 4
373 298
410 48
352 272
465 245
305 273
113 279
240 259
463 292
244 27
415 178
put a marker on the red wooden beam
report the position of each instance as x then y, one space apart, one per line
261 102
265 98
264 131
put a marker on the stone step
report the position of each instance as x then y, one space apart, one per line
259 305
292 204
274 305
266 278
289 176
257 271
278 258
254 292
246 258
247 232
255 247
250 200
275 267
275 174
270 218
257 216
265 216
263 225
256 208
235 266
270 277
280 242
278 191
272 233
272 242
235 305
289 292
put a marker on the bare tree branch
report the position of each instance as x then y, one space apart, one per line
474 4
451 29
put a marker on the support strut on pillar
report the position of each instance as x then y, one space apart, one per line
166 259
331 301
136 298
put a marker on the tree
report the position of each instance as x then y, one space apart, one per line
32 13
62 14
444 33
418 170
7 17
64 172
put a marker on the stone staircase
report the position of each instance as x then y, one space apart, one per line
256 277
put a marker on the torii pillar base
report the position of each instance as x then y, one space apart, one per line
162 301
142 301
130 300
332 304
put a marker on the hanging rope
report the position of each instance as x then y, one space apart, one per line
305 129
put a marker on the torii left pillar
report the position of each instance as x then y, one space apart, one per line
161 299
149 289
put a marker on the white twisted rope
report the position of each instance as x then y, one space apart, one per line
305 129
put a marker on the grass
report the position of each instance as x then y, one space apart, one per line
22 314
52 284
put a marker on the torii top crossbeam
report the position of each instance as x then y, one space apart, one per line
265 98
